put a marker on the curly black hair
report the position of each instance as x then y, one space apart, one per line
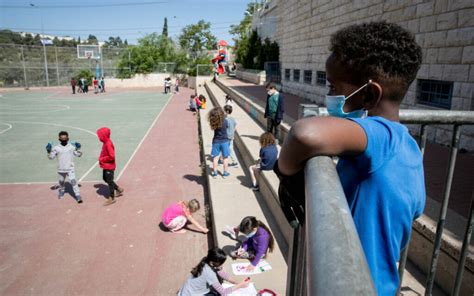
377 50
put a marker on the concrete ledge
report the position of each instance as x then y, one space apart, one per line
254 76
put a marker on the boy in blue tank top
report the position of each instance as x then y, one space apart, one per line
380 166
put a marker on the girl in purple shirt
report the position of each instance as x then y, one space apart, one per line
259 241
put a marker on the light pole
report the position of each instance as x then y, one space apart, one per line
44 46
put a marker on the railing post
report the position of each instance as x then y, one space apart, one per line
464 249
295 278
404 255
444 210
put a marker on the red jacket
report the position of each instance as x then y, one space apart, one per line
107 155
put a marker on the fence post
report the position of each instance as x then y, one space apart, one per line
57 66
444 210
24 69
45 65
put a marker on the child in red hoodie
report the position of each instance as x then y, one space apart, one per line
107 163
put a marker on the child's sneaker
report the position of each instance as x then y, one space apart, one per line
120 191
231 231
79 199
214 174
109 201
225 175
60 194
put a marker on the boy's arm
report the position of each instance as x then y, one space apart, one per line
316 136
111 153
52 154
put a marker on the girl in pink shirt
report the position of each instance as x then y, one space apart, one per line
176 216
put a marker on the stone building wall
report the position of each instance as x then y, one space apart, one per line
443 28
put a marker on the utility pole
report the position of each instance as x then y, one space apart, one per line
44 46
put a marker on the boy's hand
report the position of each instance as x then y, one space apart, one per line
78 145
49 147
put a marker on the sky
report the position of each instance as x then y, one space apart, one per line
129 19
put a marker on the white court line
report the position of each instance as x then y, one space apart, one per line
42 183
19 112
56 124
9 127
143 139
87 173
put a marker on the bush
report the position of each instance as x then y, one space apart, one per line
87 74
253 54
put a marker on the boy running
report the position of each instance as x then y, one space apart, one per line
65 153
380 166
107 163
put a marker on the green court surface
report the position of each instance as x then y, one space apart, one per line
30 119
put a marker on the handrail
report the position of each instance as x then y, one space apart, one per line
436 117
336 263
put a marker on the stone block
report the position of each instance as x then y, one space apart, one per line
447 21
450 55
457 103
468 55
468 104
441 6
459 4
414 26
465 18
460 37
409 12
424 71
435 39
467 90
425 9
457 89
456 72
436 71
471 73
428 23
430 55
467 143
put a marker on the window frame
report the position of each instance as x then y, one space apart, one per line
439 93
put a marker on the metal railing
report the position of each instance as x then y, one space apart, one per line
328 246
456 119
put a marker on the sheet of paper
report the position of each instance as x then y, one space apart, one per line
249 291
240 268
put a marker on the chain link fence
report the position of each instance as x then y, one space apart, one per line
30 66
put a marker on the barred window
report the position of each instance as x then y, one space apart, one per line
321 78
296 75
434 93
308 76
287 74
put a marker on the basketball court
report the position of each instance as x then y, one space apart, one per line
58 247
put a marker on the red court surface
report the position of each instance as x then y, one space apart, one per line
435 160
58 247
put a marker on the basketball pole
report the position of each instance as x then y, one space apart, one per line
101 62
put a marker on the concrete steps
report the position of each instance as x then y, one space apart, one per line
231 199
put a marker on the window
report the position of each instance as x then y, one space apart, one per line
434 93
321 78
296 75
308 76
287 74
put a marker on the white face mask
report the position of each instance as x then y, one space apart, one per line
270 92
335 105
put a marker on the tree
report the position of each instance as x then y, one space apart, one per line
243 28
92 39
79 40
150 51
196 38
165 28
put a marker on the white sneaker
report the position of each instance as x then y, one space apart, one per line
230 231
